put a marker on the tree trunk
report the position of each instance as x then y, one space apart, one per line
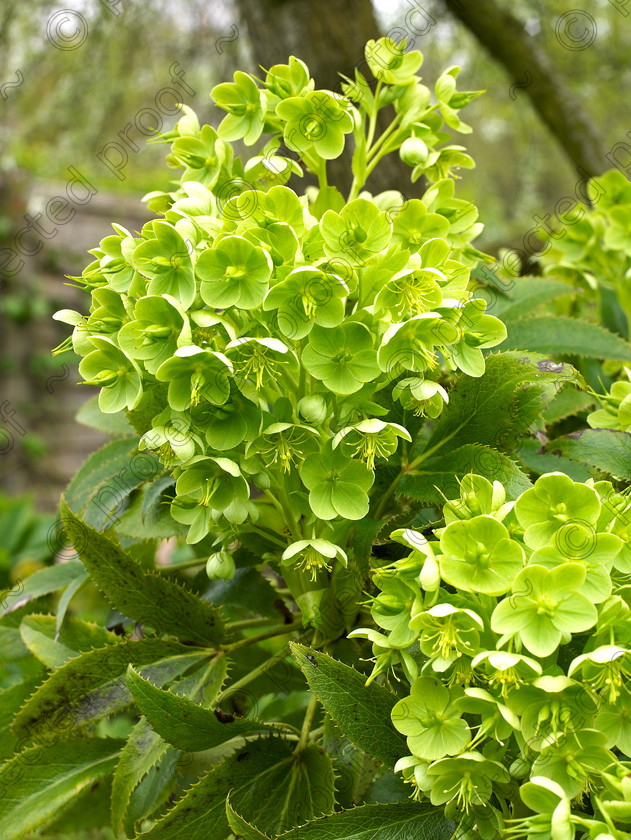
505 38
329 35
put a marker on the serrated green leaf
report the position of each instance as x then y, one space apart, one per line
38 784
145 746
183 723
558 336
500 407
11 701
146 597
361 711
102 484
427 482
38 633
604 449
40 583
539 463
396 821
242 829
268 784
93 686
567 402
527 294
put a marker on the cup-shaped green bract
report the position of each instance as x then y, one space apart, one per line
413 225
306 297
409 345
357 232
116 374
370 439
195 375
315 122
479 556
158 329
544 606
246 106
201 156
338 486
206 489
341 357
554 501
391 63
430 721
477 331
166 261
234 273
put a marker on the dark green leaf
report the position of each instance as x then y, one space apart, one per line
603 449
242 829
93 685
183 723
397 821
558 336
440 474
527 294
146 597
362 712
11 701
539 463
268 785
39 635
40 583
500 407
38 784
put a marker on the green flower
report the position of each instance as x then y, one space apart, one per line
477 330
479 556
477 496
614 719
221 566
573 761
430 720
337 486
506 670
313 555
315 122
545 607
410 345
341 357
201 156
551 503
447 633
115 263
116 374
467 779
291 79
552 818
194 375
398 601
606 669
234 272
616 408
246 106
357 232
285 444
413 225
421 396
158 328
416 288
390 63
228 425
596 552
166 261
206 489
172 437
370 439
260 358
307 296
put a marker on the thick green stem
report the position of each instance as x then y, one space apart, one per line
306 725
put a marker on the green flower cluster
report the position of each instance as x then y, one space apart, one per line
513 628
253 335
614 407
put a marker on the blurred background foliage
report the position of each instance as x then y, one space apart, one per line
73 107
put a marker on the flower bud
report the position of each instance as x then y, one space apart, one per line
313 408
220 566
414 151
